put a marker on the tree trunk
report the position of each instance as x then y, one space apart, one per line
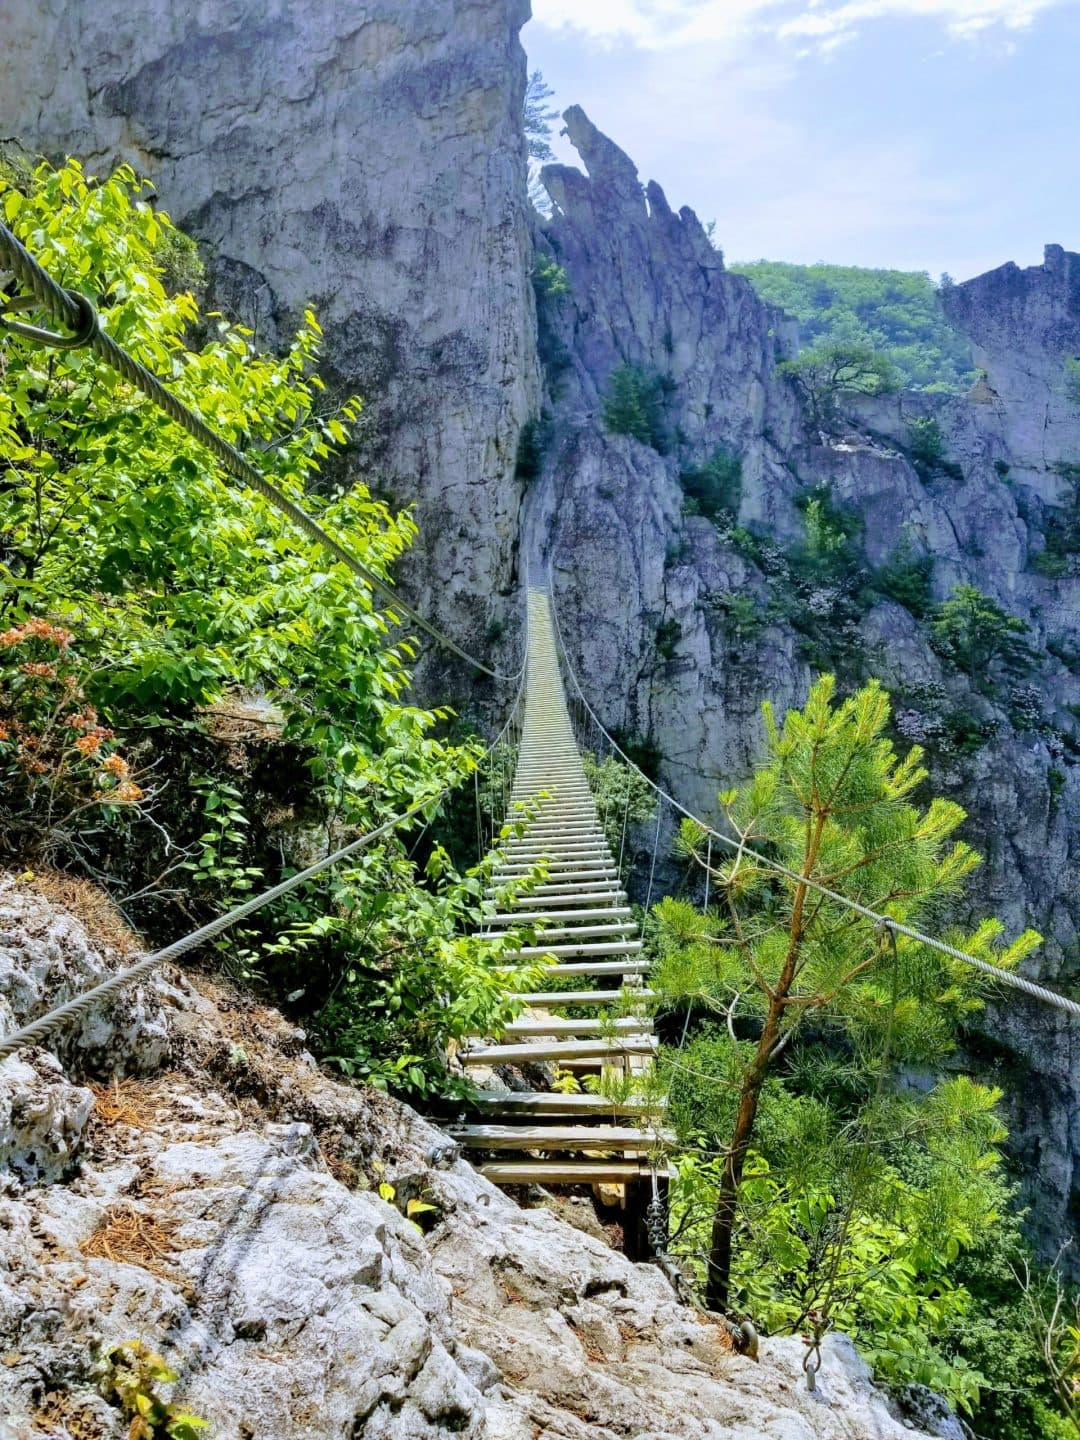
718 1281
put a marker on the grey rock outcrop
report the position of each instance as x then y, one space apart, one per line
363 158
709 622
244 1242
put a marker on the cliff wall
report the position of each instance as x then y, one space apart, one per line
366 159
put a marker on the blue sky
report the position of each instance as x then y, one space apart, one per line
922 134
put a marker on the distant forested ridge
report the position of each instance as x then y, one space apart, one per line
894 311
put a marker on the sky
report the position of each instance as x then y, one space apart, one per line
938 135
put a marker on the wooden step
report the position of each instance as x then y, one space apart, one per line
550 1102
521 1029
601 967
567 1172
523 917
553 999
610 947
558 1137
560 1050
563 931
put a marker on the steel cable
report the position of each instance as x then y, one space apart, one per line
1006 977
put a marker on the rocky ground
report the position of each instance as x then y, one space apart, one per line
186 1177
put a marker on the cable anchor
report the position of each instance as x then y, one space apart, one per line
85 334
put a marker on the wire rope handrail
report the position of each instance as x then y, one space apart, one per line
897 927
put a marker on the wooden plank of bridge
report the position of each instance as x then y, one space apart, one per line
583 926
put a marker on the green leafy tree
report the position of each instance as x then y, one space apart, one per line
927 443
978 636
827 373
833 804
715 487
634 405
538 119
895 312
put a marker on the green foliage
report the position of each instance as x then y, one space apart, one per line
828 552
1061 530
132 1376
530 451
668 635
635 406
979 637
927 444
148 589
622 796
743 617
905 579
1072 380
537 121
827 373
715 487
846 1192
538 117
550 280
895 312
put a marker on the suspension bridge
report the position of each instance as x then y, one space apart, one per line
586 931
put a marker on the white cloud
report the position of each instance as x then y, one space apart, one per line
670 24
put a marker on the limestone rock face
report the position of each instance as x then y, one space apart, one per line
679 627
1024 324
364 158
243 1240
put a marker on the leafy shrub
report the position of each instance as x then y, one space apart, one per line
743 617
926 443
140 589
62 775
132 1377
620 792
635 406
716 486
530 451
905 579
1072 380
668 635
978 636
828 551
550 279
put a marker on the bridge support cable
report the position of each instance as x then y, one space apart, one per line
713 836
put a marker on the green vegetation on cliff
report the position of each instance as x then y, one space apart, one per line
194 697
895 312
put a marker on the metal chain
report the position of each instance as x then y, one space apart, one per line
75 311
1005 977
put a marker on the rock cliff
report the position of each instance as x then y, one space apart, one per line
715 616
220 1207
366 159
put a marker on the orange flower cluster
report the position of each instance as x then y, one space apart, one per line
127 791
40 668
36 630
